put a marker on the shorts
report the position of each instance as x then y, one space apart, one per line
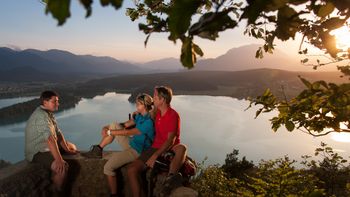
118 159
43 158
46 158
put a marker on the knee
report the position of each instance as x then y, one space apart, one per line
180 149
108 170
131 169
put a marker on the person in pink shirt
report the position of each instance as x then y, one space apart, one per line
167 138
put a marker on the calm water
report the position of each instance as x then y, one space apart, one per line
210 126
8 102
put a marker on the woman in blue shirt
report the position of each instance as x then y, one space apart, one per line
134 136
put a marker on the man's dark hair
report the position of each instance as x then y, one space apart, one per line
165 92
47 95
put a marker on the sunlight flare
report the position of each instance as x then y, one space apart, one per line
342 36
341 137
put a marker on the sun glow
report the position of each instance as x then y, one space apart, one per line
342 35
341 137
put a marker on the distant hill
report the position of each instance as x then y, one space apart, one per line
239 84
57 62
163 65
243 58
58 65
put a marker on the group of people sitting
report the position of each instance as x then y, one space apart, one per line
153 130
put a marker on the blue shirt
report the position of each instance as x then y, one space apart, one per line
144 140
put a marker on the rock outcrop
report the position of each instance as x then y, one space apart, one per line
85 178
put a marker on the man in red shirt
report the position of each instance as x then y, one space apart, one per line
167 137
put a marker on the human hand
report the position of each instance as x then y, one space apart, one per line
71 148
104 131
150 162
73 151
59 166
134 114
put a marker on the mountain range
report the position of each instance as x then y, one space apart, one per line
56 65
59 65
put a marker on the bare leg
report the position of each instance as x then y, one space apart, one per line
179 158
134 170
106 140
58 179
112 183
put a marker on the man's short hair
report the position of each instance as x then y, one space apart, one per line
165 92
47 95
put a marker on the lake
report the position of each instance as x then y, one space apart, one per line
211 126
11 101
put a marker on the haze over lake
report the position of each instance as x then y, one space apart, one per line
210 126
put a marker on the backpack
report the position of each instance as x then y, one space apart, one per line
188 169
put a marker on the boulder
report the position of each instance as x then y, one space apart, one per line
85 178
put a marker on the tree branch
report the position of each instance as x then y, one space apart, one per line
323 134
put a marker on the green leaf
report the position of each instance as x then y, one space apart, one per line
188 58
259 53
104 2
87 6
210 24
329 42
180 15
116 3
304 60
267 92
305 82
287 23
258 112
325 10
289 125
198 50
59 10
333 23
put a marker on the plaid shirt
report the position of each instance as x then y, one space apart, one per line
40 126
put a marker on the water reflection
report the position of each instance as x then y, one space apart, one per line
11 101
210 126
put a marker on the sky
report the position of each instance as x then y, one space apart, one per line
107 32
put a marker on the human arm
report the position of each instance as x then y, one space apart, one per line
58 163
165 146
128 123
68 147
116 127
123 132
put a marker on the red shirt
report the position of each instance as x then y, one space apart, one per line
169 122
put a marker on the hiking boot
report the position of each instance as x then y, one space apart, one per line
171 182
94 152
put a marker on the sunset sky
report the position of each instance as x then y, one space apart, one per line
106 33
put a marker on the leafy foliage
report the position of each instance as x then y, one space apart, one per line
235 168
276 177
331 170
280 178
320 106
213 181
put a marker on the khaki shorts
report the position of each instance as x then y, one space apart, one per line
118 159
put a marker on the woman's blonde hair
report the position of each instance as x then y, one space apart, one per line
146 100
